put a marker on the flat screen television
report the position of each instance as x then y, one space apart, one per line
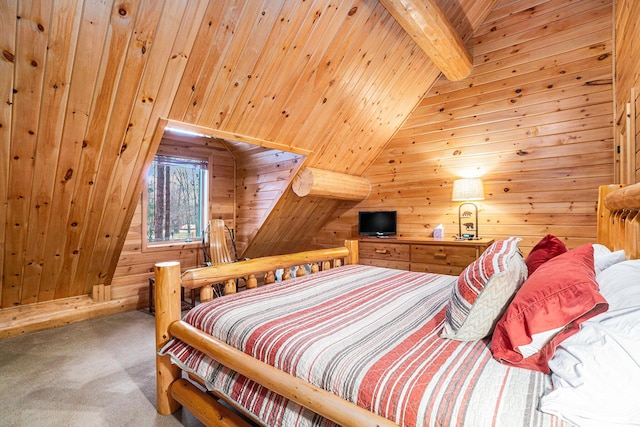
377 224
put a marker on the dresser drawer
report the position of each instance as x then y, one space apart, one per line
386 263
384 251
452 270
459 256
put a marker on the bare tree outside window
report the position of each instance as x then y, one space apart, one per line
176 189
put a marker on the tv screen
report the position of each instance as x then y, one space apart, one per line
378 224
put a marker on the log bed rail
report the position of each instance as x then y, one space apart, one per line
618 227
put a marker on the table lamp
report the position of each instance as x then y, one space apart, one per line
467 190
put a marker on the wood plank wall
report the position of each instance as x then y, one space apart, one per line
135 265
627 75
262 177
534 120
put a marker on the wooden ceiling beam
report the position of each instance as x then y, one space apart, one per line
430 28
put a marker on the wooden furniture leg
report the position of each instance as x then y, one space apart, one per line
167 305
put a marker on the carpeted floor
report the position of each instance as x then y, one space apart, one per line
98 372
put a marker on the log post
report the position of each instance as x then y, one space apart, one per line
230 287
326 265
252 282
286 274
314 268
352 245
206 293
604 215
269 277
632 244
301 271
332 185
167 306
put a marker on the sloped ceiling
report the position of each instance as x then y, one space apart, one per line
87 84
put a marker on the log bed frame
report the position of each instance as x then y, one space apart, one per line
618 227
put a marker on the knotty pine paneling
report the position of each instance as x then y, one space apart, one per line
627 67
263 175
86 87
8 10
534 120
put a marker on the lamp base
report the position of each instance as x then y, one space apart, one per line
466 237
470 226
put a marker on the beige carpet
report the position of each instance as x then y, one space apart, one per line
98 372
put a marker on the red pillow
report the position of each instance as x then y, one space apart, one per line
549 247
562 293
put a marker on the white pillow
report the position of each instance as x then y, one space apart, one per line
596 372
620 284
603 258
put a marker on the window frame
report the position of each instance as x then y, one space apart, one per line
163 246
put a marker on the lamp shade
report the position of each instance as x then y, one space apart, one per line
467 189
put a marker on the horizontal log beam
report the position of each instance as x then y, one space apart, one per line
198 277
627 197
332 185
429 27
204 406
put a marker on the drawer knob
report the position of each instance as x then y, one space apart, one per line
440 255
382 251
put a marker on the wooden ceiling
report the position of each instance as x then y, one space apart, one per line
87 87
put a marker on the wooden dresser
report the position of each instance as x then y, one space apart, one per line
446 256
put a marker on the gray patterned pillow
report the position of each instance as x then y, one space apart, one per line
484 290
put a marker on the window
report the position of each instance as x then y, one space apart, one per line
177 195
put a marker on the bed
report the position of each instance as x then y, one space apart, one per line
359 345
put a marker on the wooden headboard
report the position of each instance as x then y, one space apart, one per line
619 218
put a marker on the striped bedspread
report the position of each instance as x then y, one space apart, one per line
370 335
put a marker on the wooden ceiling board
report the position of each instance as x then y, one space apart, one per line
8 23
255 43
543 24
125 70
232 44
93 29
318 81
208 25
55 94
503 10
138 146
31 35
318 54
364 90
290 28
267 84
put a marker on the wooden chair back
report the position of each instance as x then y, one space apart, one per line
219 243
